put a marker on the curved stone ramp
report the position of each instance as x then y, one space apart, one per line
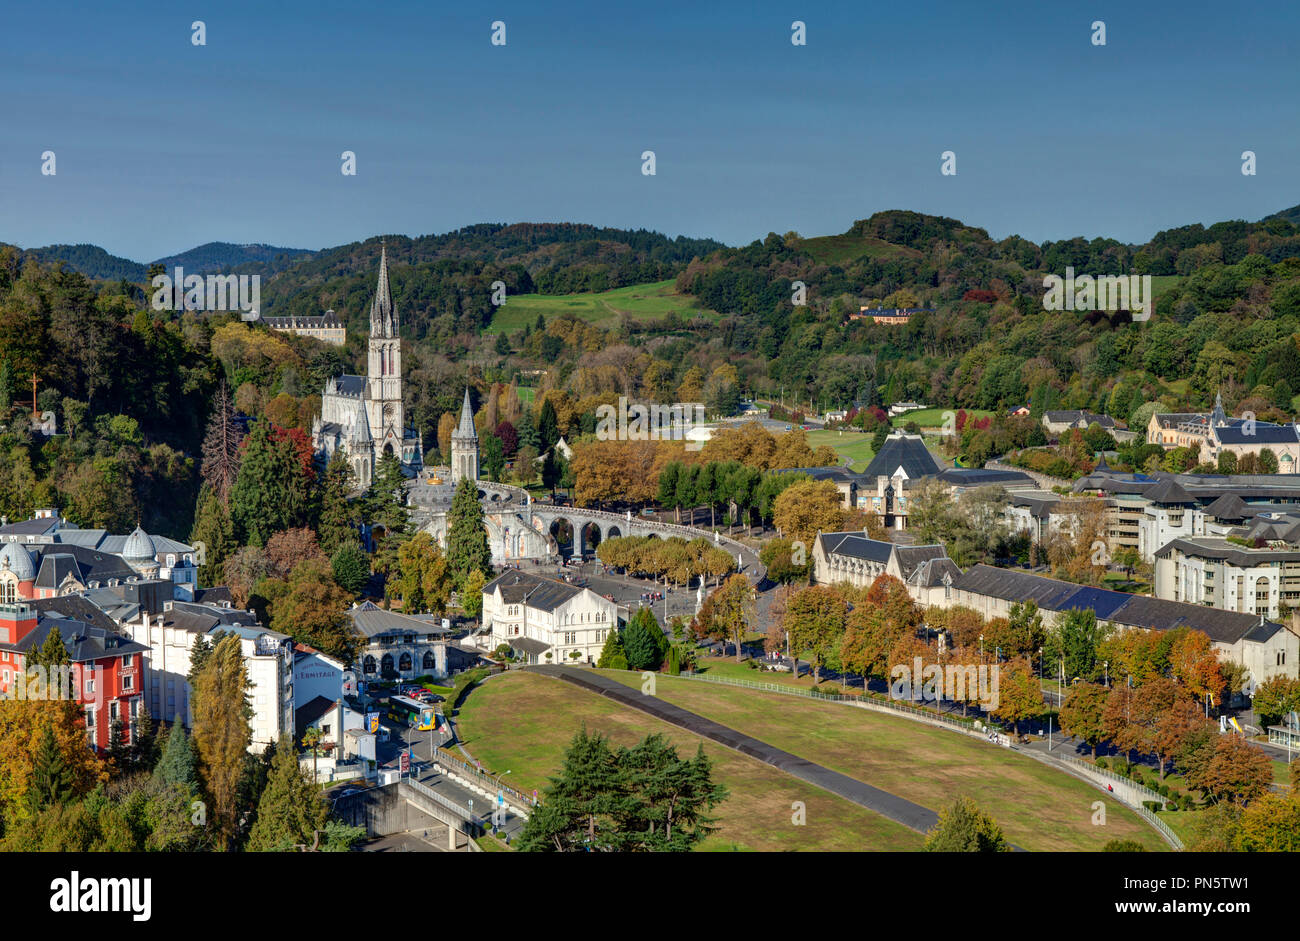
910 815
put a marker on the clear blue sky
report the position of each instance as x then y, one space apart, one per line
162 145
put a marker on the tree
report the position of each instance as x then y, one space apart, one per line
385 501
467 541
964 828
271 489
179 762
215 531
52 653
144 750
1271 824
290 810
471 594
576 811
1238 771
221 731
52 780
1275 698
221 447
1019 695
1076 640
734 609
807 508
340 518
613 648
815 622
1081 713
493 455
644 643
422 581
313 609
351 567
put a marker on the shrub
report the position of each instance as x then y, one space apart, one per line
618 662
829 689
1102 763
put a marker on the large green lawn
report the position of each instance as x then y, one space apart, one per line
838 249
933 417
642 301
1038 807
853 445
522 723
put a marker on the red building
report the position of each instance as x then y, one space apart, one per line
106 675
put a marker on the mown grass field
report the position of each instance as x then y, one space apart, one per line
523 723
1038 807
838 249
856 445
641 301
933 417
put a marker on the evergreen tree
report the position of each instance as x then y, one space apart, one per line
351 567
144 751
527 430
548 426
494 458
221 446
644 650
290 810
551 470
575 813
613 648
339 516
52 779
6 387
269 493
117 753
467 540
179 762
386 498
52 653
213 528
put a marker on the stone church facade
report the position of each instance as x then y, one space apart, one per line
364 414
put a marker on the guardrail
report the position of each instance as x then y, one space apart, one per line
442 756
464 812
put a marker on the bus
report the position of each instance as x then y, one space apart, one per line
408 712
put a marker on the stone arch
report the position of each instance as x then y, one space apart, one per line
368 665
562 534
613 532
388 447
1261 595
386 667
404 662
429 663
591 536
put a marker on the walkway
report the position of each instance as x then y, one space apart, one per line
910 815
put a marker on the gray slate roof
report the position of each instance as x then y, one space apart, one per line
907 452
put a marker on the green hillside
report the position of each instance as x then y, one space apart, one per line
639 302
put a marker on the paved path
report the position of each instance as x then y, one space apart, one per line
910 815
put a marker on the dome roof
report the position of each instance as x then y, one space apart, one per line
17 560
138 546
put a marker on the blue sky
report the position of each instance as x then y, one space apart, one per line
162 145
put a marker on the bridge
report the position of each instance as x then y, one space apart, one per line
523 529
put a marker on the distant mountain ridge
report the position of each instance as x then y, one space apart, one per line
95 262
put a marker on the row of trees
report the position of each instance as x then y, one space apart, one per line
674 559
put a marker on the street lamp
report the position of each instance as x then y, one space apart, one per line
981 648
1105 665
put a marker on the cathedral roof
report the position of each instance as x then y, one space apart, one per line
466 427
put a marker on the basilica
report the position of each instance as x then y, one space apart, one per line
363 414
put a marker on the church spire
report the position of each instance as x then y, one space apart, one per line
466 427
383 316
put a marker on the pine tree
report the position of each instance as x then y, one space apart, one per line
6 387
644 651
52 653
613 648
339 516
179 763
527 430
290 810
263 498
144 751
386 498
52 779
213 528
351 566
467 540
118 752
221 446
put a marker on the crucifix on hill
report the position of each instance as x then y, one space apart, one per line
34 381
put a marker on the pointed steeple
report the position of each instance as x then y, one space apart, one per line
466 427
383 316
1217 417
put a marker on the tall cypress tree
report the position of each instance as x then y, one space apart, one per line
467 539
261 499
179 764
548 426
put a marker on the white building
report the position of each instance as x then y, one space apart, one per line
545 620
